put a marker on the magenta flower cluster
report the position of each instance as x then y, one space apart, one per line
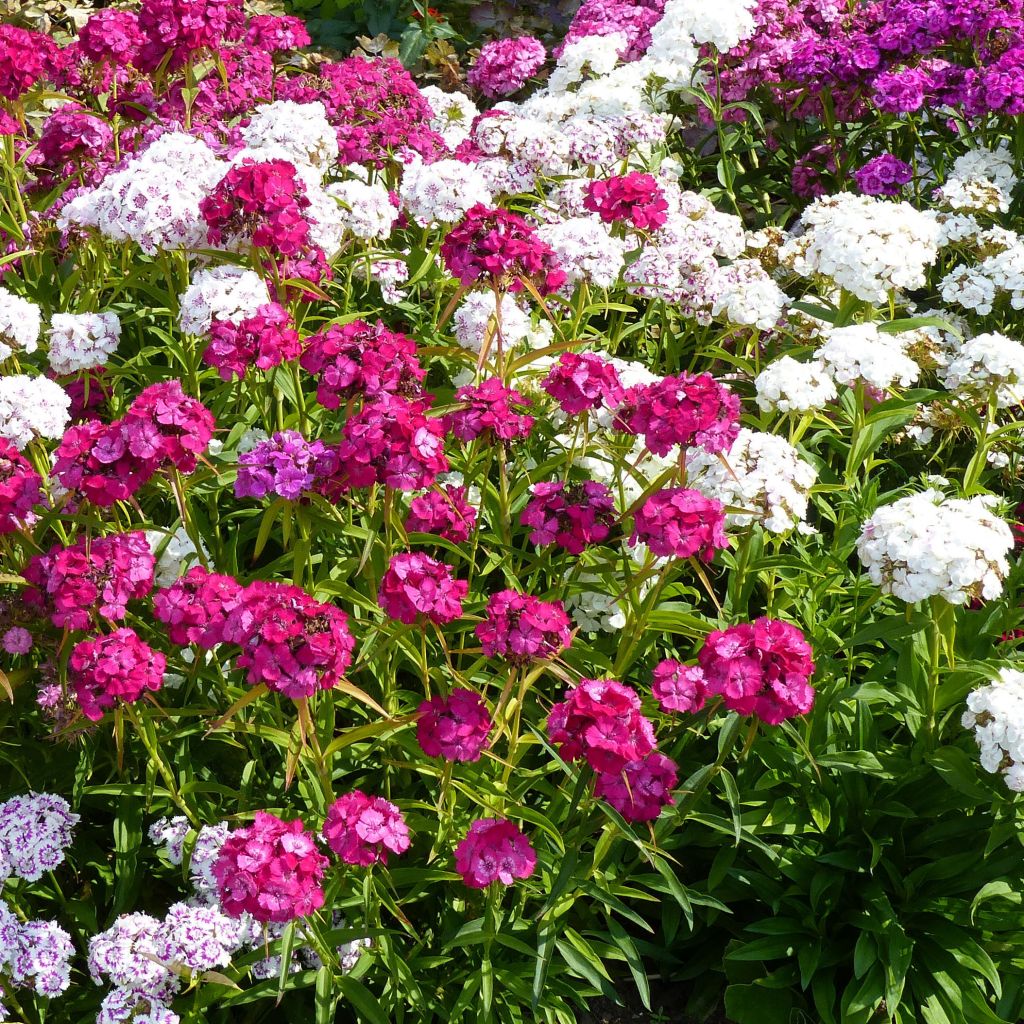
504 66
118 666
635 198
573 516
363 830
520 627
20 488
264 340
583 380
494 851
885 175
443 512
286 465
416 588
455 727
679 523
490 410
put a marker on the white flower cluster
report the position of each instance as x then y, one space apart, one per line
453 114
35 830
82 341
301 130
35 954
996 714
790 386
20 324
441 192
999 272
861 352
388 274
745 294
174 552
222 293
366 210
762 474
926 545
594 612
980 180
154 199
585 250
725 24
985 363
32 407
588 56
868 246
475 318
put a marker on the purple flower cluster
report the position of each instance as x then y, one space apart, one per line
265 339
885 175
573 516
521 628
286 465
443 512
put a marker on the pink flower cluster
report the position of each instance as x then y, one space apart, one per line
111 35
196 608
25 58
500 249
72 137
363 830
264 340
761 668
582 381
262 203
183 28
390 441
679 687
642 788
454 727
359 359
489 409
504 66
271 870
116 667
521 628
494 851
273 33
110 462
635 198
572 516
680 523
444 512
20 488
418 588
685 410
97 576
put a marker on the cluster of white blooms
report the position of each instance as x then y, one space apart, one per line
475 318
594 612
441 192
82 341
174 552
588 56
453 114
585 250
388 274
926 545
790 386
985 363
221 293
744 294
32 407
861 352
366 210
980 180
154 199
301 130
725 24
35 830
20 323
996 714
999 272
868 246
35 954
761 474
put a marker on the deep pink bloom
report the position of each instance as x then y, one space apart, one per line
418 588
17 640
363 829
390 441
182 28
679 687
360 359
111 35
686 409
262 203
494 851
504 66
454 727
93 460
445 513
583 380
91 577
761 668
20 488
290 642
264 340
272 33
572 516
116 667
500 249
196 607
489 409
885 175
25 58
635 197
680 523
165 424
272 870
72 137
641 789
519 627
600 720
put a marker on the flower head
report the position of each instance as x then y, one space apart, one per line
364 829
494 851
454 727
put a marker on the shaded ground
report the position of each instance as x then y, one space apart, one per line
603 1011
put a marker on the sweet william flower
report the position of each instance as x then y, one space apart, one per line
680 523
445 513
521 628
20 488
494 851
363 829
641 789
454 727
635 198
573 516
112 668
504 66
418 588
489 409
582 381
679 687
271 870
